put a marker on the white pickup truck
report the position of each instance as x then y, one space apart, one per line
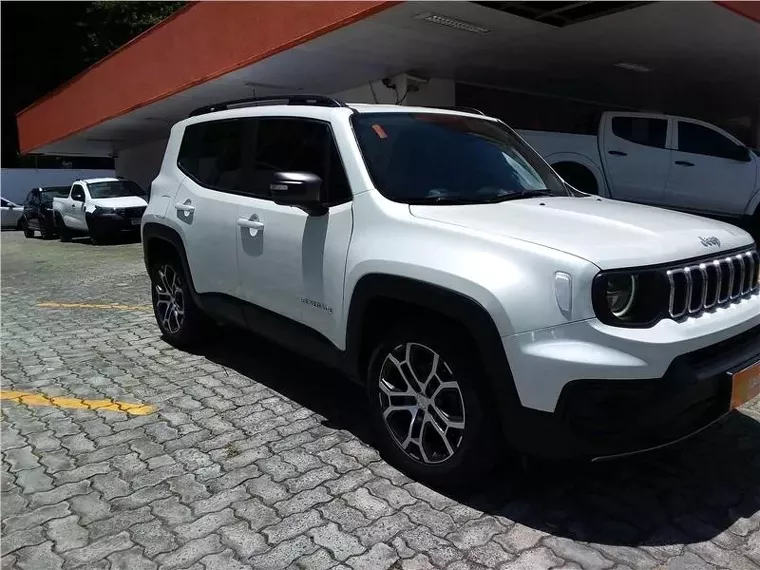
660 160
100 208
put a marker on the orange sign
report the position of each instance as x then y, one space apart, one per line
745 385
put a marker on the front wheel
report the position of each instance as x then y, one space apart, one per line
181 321
63 232
427 407
28 232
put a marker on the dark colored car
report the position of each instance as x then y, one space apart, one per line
38 211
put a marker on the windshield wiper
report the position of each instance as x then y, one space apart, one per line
442 200
518 196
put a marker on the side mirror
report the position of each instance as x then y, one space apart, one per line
77 198
302 189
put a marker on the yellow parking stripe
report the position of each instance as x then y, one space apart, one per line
76 403
116 306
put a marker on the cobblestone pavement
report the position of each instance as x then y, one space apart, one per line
258 459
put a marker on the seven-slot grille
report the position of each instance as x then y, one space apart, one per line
701 286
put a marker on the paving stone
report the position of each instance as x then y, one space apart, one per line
422 513
154 537
34 480
489 555
21 458
441 552
21 538
720 557
90 507
219 500
223 561
243 540
37 557
383 529
111 486
172 511
58 461
35 517
278 469
476 533
348 518
311 479
396 497
257 514
349 481
371 506
540 557
98 550
379 557
132 559
292 526
204 525
81 473
576 552
190 552
141 498
284 554
303 501
266 489
59 494
67 533
119 521
418 562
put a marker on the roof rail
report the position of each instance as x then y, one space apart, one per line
462 109
315 100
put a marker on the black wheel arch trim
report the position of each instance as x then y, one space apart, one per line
152 231
448 303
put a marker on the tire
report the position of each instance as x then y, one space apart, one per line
407 437
63 232
45 231
180 320
28 232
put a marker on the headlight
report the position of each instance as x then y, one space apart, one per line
100 211
630 299
621 294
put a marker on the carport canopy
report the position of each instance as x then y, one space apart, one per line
690 58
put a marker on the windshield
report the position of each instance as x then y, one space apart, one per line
440 158
115 189
47 194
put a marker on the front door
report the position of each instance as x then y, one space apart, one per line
711 173
636 160
293 263
74 212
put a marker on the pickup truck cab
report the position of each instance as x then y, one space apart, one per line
660 160
100 208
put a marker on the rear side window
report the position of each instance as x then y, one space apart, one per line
211 154
641 130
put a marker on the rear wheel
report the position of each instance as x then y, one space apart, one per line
46 231
431 417
577 176
181 321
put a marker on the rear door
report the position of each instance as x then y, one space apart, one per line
712 173
635 154
31 208
206 205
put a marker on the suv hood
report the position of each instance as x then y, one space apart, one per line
121 202
608 233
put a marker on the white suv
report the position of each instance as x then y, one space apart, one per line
434 257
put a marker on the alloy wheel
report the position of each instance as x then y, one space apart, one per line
170 302
421 403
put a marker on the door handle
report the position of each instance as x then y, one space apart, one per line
684 163
251 224
184 207
617 152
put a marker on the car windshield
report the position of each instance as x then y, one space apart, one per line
115 189
441 158
47 194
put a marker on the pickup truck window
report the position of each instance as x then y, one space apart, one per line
115 189
641 130
697 139
47 194
77 193
437 158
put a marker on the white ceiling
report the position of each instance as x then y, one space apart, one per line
704 61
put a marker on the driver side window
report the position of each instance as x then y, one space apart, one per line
698 139
77 193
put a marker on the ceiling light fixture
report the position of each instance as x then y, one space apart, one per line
633 67
452 23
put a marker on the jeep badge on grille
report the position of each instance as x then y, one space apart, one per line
710 240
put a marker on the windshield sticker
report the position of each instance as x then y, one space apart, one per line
379 131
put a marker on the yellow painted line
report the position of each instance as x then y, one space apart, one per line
76 403
115 306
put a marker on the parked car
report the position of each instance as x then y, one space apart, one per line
435 258
660 160
10 214
38 211
100 208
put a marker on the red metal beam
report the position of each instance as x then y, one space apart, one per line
197 44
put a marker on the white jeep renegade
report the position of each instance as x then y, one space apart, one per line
433 256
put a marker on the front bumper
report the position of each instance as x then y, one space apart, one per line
108 224
625 395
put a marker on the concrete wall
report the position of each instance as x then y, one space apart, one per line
141 163
15 183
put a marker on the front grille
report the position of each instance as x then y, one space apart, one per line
711 283
136 212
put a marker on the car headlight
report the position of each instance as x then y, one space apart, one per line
100 211
630 298
621 293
